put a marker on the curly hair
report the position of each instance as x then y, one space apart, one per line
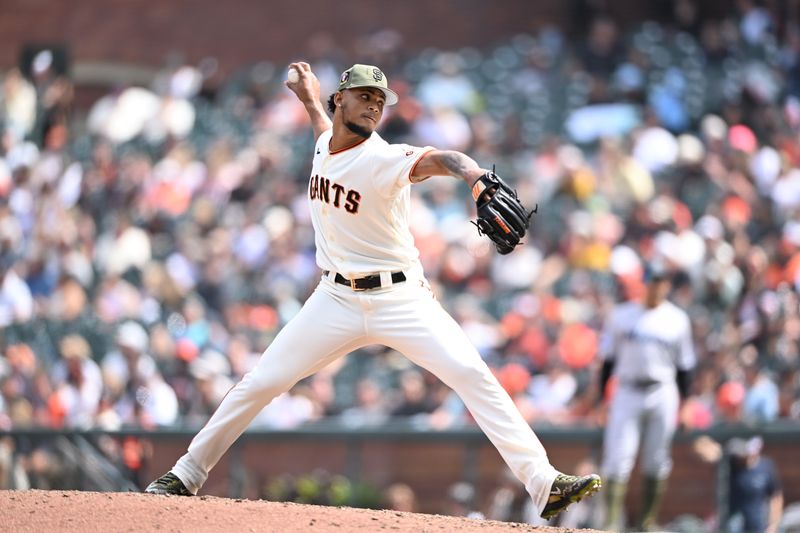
331 103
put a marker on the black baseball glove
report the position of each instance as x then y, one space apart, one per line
501 216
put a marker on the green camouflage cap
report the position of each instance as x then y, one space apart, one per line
367 76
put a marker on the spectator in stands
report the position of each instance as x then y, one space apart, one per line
209 381
448 86
461 501
413 398
18 105
370 408
600 55
760 404
16 300
139 394
70 312
25 388
78 384
130 361
400 497
552 391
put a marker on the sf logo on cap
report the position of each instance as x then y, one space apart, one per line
377 75
345 76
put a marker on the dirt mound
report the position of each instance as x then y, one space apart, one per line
37 510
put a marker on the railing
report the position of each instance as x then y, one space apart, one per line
402 428
427 460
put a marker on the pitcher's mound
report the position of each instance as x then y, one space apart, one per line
104 512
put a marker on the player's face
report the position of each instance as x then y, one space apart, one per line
657 291
362 109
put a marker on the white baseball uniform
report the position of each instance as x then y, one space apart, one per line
648 346
360 199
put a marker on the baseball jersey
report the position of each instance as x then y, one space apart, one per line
648 344
359 199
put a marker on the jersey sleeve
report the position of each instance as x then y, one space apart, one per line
321 144
607 345
393 165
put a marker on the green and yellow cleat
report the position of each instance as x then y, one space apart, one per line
168 484
567 490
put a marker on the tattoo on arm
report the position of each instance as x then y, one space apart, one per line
456 164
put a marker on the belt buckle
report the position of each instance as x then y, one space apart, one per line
353 285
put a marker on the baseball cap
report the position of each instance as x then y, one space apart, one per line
367 76
131 335
656 271
740 447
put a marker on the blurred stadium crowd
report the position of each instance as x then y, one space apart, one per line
153 247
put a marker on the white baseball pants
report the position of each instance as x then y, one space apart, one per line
649 415
336 320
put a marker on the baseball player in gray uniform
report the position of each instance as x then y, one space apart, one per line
648 347
373 291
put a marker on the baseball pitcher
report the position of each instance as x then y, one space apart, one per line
373 291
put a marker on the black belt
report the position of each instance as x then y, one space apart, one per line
642 383
367 282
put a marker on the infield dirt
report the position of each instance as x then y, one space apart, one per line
45 511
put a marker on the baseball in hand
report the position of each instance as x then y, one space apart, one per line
293 76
